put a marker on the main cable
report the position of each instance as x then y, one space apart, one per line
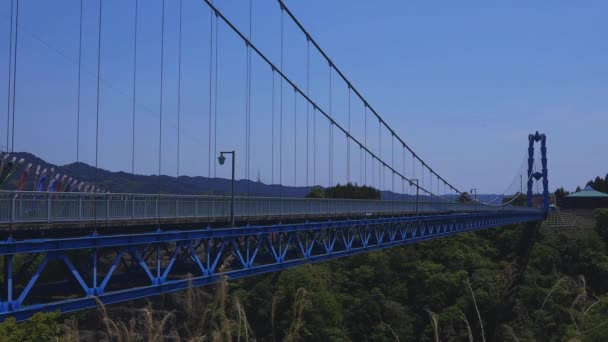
324 55
302 93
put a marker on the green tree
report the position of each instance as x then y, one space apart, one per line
349 190
464 197
40 327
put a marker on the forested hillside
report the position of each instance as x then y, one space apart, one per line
476 285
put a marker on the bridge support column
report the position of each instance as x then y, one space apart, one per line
544 174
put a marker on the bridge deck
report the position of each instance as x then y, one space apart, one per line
51 211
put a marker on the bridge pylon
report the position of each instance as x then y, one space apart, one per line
532 139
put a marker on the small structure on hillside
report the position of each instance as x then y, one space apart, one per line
588 199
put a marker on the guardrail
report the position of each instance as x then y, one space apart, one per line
28 206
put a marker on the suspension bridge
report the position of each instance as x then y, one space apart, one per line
73 240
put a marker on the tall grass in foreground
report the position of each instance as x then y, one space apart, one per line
216 318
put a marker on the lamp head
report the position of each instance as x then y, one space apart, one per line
221 159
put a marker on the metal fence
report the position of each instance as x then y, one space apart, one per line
27 206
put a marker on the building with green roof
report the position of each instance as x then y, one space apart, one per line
588 198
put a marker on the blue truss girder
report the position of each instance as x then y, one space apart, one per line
212 253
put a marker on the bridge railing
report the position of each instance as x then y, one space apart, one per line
23 207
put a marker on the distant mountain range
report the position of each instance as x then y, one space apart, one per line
123 182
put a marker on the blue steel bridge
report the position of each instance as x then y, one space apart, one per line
68 247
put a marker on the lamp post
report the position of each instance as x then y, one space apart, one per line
474 191
417 192
221 159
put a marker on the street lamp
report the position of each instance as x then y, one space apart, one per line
417 192
221 159
474 190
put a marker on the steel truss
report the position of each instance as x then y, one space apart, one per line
141 265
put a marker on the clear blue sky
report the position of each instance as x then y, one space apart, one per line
462 82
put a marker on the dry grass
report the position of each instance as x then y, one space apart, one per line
466 321
483 334
392 331
299 304
510 332
435 323
71 333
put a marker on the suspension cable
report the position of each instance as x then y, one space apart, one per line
348 142
302 93
10 67
329 154
160 121
97 103
179 93
379 154
272 133
295 135
249 99
341 74
247 75
134 84
215 101
331 136
393 162
365 141
281 115
307 107
15 76
79 81
209 159
314 148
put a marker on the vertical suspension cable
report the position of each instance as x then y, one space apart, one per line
272 133
215 92
15 76
281 113
331 130
295 135
179 94
430 185
393 163
365 142
348 141
134 85
248 164
413 171
160 121
209 159
329 154
246 176
307 106
98 83
314 145
403 172
379 154
361 165
79 81
8 87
